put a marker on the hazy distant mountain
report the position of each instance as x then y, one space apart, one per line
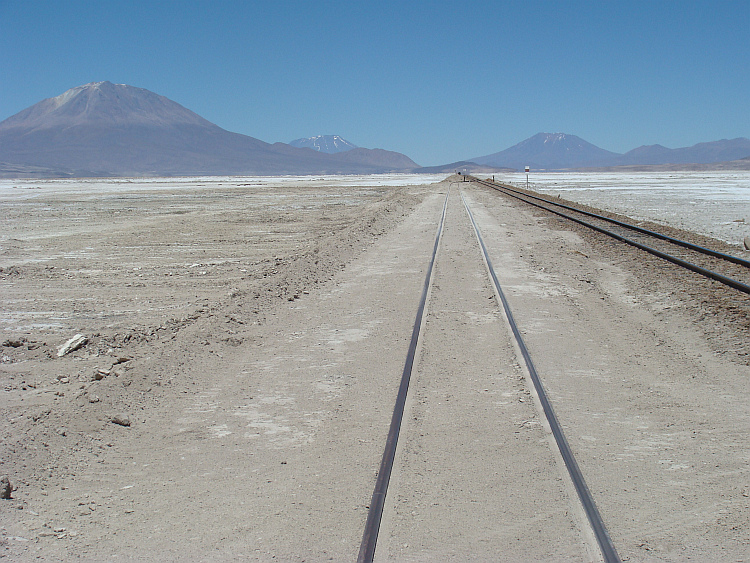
462 166
118 130
330 144
554 151
702 153
559 151
379 159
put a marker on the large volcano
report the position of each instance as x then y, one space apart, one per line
118 130
549 151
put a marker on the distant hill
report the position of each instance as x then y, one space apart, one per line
379 159
702 153
105 129
560 151
330 144
463 166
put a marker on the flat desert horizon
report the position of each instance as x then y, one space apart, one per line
712 203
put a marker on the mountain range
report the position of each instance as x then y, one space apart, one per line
105 129
560 151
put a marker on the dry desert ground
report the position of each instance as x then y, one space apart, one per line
244 345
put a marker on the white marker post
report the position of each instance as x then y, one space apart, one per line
527 177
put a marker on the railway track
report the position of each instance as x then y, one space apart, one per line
459 250
727 269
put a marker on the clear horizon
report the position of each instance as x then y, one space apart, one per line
437 81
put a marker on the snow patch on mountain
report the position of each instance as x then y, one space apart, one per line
330 144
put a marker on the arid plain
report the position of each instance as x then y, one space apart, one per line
244 345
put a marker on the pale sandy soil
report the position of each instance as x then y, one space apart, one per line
254 337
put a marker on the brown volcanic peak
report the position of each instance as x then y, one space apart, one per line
104 103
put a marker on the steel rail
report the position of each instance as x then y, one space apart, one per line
607 548
731 282
676 241
377 503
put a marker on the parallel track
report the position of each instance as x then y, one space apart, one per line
372 527
587 500
732 267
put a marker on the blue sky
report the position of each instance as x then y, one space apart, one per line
439 81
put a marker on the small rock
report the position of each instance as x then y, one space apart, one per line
71 345
14 343
100 374
747 243
5 487
121 419
94 399
62 431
